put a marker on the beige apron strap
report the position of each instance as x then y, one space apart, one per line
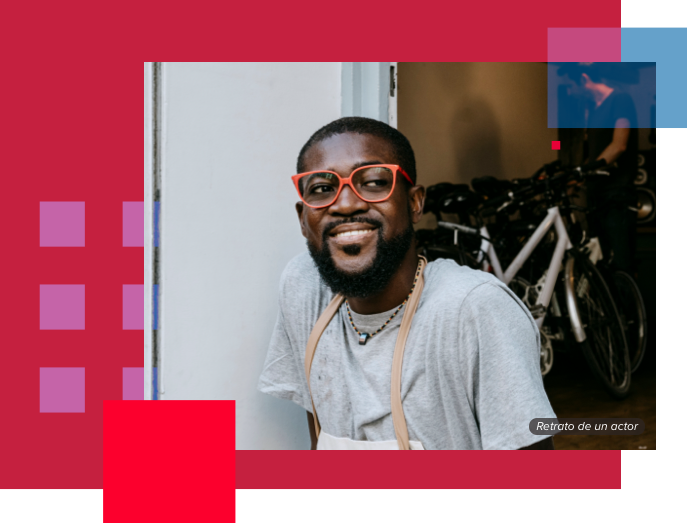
399 420
314 338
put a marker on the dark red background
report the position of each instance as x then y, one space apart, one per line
67 134
459 469
55 154
69 75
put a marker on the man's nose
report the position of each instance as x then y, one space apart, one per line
348 203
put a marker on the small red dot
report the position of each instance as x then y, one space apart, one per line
555 146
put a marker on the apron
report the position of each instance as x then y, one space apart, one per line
327 441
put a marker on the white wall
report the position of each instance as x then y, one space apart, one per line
232 132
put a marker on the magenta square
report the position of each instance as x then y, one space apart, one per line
62 389
133 307
62 224
132 383
63 307
586 44
133 224
555 146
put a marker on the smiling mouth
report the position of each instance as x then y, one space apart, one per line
353 233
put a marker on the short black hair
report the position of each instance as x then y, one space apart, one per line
357 124
574 71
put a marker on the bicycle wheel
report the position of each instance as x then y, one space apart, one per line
633 313
605 348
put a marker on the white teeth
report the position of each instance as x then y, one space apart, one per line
352 233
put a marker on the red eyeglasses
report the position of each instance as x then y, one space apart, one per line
371 183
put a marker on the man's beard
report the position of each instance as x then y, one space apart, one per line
370 281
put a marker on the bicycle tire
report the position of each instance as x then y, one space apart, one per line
633 313
605 347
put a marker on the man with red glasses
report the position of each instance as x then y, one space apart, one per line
465 376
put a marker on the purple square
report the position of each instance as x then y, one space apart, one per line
133 307
63 307
63 224
63 389
133 224
132 383
585 44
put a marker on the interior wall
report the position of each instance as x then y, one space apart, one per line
466 120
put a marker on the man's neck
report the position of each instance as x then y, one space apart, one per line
601 93
394 293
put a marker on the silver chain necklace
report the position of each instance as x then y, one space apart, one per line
364 336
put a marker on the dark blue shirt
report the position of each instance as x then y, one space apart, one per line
600 127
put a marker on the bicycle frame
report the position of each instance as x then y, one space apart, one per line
552 219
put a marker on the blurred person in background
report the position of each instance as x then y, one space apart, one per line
612 144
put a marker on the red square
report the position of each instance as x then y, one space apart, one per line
168 461
555 146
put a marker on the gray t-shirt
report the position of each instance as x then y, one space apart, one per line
471 376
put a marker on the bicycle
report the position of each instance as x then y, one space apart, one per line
633 313
630 304
455 199
583 301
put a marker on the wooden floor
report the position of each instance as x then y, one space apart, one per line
574 393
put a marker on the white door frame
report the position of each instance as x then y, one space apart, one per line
366 90
148 196
393 95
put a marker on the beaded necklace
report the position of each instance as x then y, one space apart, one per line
364 336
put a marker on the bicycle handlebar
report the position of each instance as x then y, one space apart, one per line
497 204
548 168
594 166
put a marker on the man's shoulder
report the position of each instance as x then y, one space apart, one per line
451 284
448 272
476 299
300 269
300 264
300 279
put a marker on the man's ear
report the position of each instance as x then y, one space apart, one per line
300 209
417 202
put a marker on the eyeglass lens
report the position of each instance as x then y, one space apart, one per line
372 184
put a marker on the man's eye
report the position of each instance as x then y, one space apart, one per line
376 183
319 189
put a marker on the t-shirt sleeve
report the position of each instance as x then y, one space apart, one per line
508 386
624 107
283 375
